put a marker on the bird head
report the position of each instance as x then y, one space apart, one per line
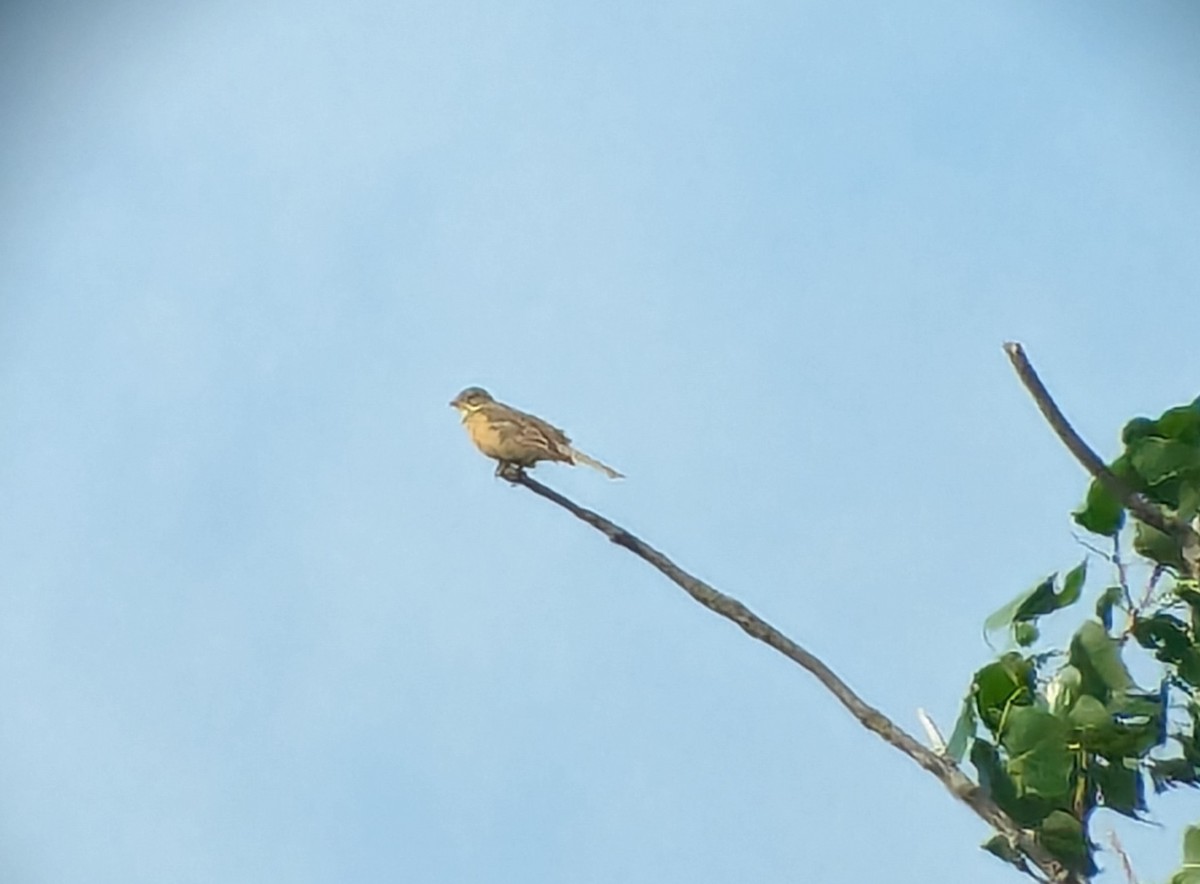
471 399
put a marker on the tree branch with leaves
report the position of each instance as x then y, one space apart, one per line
1055 734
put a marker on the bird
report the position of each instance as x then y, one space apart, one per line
514 439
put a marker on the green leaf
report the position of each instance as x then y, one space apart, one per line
1191 846
989 770
1157 547
1190 596
1162 461
1157 460
1025 634
1063 690
1170 640
1002 617
1039 600
1126 729
1138 428
1105 604
1183 770
1190 873
1040 762
1100 513
1189 500
1088 713
1042 599
1062 835
1120 786
964 729
1138 726
1181 422
1097 656
1168 470
1001 685
999 846
1168 773
994 780
1073 585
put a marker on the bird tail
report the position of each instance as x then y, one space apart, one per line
578 456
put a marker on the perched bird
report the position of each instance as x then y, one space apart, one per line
516 440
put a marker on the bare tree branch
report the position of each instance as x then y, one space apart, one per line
730 608
1134 502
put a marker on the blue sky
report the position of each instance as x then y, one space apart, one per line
267 616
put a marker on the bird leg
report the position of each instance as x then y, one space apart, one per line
508 470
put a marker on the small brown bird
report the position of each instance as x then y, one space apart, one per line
516 440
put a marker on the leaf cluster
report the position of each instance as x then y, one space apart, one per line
1161 462
1057 733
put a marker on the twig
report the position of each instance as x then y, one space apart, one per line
1122 571
1132 500
1119 850
1152 585
932 732
1113 558
730 608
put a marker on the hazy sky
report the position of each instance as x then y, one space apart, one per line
266 615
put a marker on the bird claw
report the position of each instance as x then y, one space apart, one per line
509 471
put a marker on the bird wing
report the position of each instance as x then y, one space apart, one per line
528 430
522 430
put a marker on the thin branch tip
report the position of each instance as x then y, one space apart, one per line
1082 452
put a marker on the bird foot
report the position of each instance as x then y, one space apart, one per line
509 471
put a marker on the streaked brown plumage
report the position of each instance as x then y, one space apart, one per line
517 440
